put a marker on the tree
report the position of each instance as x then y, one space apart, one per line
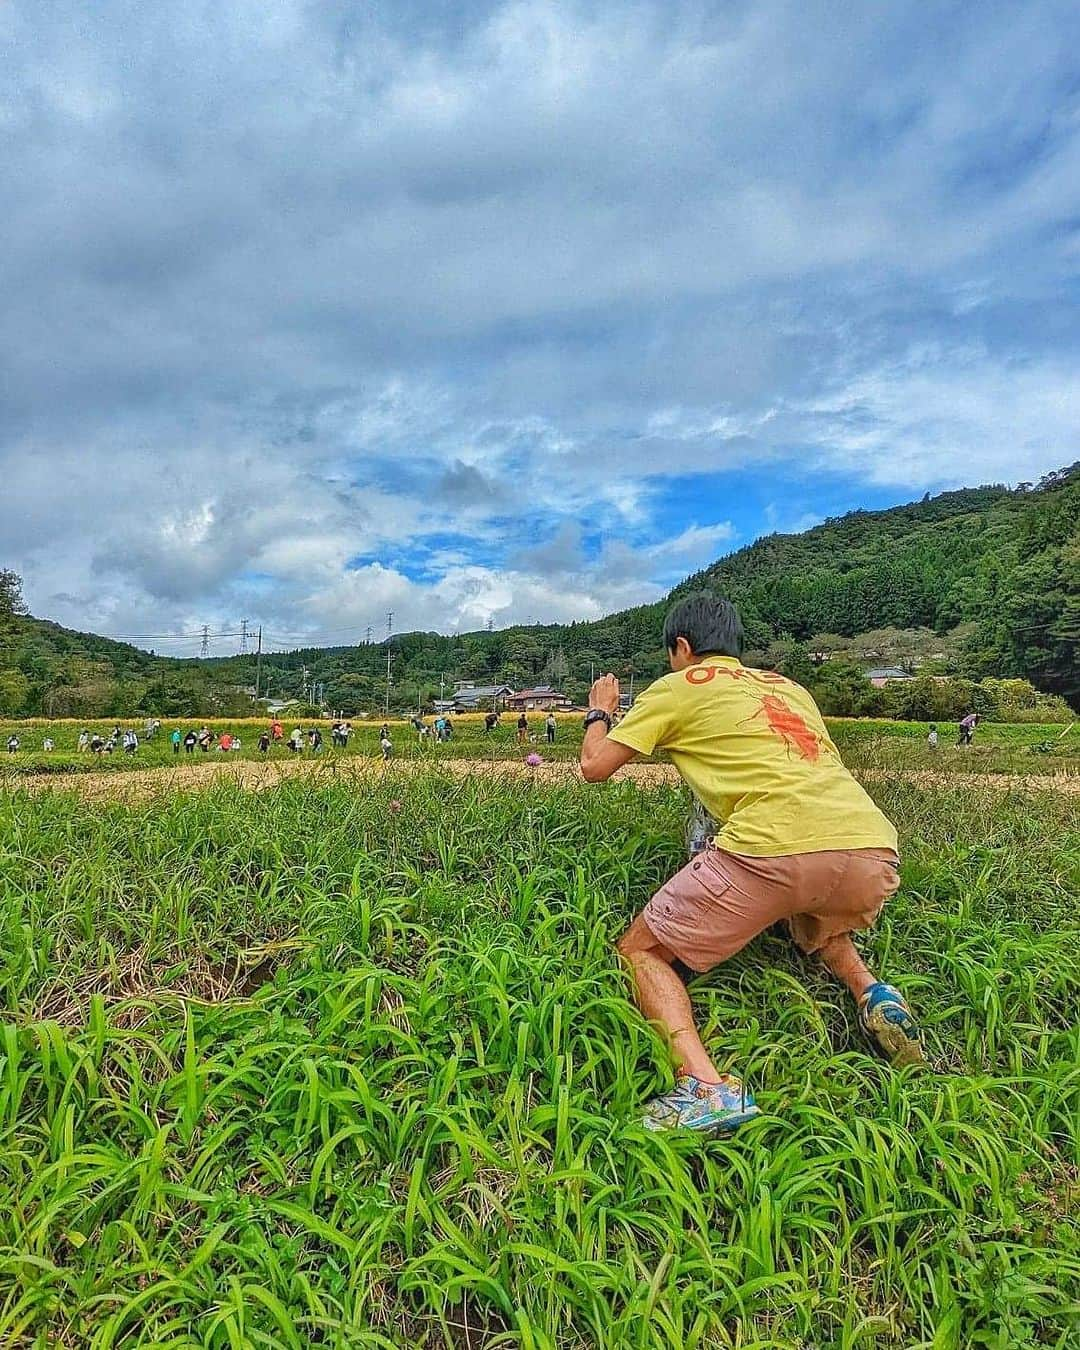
842 690
14 688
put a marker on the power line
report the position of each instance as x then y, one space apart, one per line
173 637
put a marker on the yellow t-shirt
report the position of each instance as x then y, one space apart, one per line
753 747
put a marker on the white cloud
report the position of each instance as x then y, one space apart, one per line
931 417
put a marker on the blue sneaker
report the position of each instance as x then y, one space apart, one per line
887 1020
716 1108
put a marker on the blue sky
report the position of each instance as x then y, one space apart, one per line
512 311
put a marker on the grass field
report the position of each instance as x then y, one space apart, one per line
1017 748
327 1067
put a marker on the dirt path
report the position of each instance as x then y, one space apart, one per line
140 784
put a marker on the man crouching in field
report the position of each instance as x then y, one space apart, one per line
800 840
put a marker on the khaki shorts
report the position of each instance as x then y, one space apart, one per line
719 900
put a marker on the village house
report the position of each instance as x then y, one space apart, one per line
886 675
540 699
469 697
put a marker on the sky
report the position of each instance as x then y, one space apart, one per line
511 312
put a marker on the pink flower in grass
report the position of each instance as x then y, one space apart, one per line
533 760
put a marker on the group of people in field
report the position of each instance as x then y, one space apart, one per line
442 729
966 728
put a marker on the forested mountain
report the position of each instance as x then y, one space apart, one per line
980 582
1006 561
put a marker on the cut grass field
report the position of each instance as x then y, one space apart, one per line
320 1066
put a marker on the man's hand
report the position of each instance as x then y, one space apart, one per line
605 694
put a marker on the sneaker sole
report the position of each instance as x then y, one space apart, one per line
897 1047
717 1125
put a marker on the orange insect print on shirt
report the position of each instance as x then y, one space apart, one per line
786 723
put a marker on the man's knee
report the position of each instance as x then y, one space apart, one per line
638 943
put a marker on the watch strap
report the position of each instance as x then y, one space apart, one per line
597 715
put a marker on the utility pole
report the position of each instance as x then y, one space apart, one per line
258 663
243 637
303 684
389 657
204 651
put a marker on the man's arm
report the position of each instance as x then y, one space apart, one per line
600 757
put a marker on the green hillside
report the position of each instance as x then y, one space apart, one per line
983 582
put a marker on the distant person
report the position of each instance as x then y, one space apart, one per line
131 742
932 738
384 732
967 728
264 742
48 743
522 729
148 729
190 741
315 739
225 741
491 721
115 736
296 741
386 745
205 737
97 743
236 745
448 729
551 727
12 743
175 740
440 727
84 740
277 731
798 840
346 732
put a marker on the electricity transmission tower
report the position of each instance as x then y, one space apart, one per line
204 650
389 658
243 637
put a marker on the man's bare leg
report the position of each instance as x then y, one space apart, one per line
663 999
843 960
890 1023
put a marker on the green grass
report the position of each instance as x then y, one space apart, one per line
308 1068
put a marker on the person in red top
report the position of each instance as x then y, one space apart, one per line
277 731
225 743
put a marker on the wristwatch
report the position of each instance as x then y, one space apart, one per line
597 715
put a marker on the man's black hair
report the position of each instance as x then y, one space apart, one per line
709 623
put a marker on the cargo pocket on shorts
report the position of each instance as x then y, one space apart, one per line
710 883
